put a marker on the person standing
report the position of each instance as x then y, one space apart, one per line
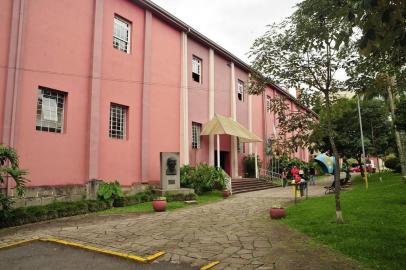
284 177
294 171
312 175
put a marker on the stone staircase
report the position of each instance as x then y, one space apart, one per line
240 185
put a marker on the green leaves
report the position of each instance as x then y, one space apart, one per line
108 192
378 134
9 168
202 178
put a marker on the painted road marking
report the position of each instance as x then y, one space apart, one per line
136 258
210 265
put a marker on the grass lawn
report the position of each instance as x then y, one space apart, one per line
147 206
374 232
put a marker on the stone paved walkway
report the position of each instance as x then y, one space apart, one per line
237 231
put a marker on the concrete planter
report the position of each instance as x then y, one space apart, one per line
277 213
159 205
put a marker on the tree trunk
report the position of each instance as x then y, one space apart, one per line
339 215
379 168
359 159
400 136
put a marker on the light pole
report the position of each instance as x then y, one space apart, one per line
362 143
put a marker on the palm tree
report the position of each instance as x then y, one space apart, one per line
9 169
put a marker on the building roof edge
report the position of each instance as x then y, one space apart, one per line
179 24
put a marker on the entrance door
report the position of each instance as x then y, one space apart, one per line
223 161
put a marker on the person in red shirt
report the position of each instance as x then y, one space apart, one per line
294 171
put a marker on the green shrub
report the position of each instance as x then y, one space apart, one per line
20 216
186 176
140 197
202 178
109 192
249 165
181 197
393 163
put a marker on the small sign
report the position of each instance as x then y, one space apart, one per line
172 182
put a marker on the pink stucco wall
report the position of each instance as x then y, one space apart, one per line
5 25
222 73
165 94
57 52
122 74
53 57
198 94
258 124
242 114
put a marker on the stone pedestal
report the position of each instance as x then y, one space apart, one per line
170 175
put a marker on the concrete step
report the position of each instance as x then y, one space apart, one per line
251 189
241 185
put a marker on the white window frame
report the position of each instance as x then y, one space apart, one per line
240 90
196 131
197 68
126 25
118 121
50 115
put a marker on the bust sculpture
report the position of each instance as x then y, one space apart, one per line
171 166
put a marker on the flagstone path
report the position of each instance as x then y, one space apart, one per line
237 231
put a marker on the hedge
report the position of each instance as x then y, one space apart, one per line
148 196
140 197
31 214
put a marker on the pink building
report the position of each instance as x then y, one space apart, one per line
96 89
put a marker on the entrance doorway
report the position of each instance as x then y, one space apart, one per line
224 161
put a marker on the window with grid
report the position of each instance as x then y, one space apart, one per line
50 110
268 104
121 34
240 90
197 69
196 130
118 121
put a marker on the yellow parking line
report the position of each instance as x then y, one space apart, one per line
136 258
106 251
155 256
210 265
18 243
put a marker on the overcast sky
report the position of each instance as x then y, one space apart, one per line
233 24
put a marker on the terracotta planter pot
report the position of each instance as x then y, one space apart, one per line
277 213
226 194
159 205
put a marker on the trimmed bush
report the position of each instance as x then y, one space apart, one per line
202 178
181 197
186 176
31 214
140 197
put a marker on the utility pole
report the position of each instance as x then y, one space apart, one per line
362 143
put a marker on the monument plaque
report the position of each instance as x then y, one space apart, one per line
170 175
170 171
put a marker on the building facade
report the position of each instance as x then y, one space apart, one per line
96 89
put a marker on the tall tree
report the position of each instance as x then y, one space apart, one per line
305 52
377 76
376 126
381 25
